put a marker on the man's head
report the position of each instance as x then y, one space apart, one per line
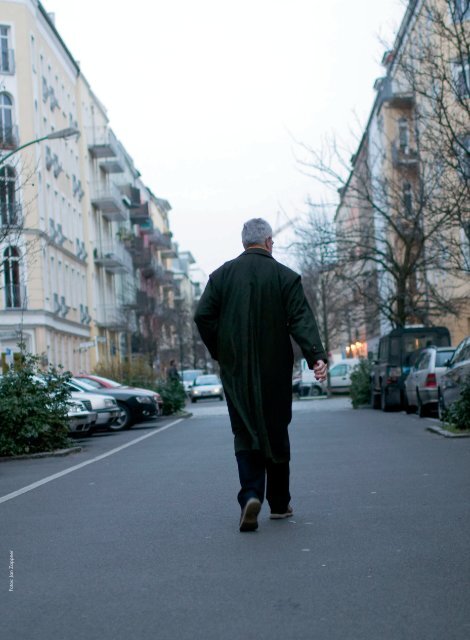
257 233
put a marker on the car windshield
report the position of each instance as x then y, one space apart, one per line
83 384
190 375
443 356
111 383
200 380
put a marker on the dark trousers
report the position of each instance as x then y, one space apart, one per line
253 470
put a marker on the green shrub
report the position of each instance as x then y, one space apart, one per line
33 415
173 396
360 383
458 414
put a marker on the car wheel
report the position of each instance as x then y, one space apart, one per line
193 400
422 408
441 407
315 391
374 399
384 402
409 408
124 419
222 398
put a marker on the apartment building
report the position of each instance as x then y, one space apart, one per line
86 247
402 213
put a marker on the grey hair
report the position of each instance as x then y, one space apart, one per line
255 231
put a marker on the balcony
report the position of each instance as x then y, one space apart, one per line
130 195
102 143
11 215
112 166
160 240
7 62
113 257
140 214
111 316
145 303
153 269
394 95
108 199
9 138
404 157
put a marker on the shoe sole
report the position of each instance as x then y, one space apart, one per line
281 516
249 518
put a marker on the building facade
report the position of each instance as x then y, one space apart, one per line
86 247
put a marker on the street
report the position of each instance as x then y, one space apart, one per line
144 543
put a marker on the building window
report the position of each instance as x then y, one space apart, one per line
11 276
408 200
463 156
403 135
460 10
8 205
461 73
7 138
6 54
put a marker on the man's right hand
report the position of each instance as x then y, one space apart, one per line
320 370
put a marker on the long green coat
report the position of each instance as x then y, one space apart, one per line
247 313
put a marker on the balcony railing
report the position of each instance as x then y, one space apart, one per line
113 257
140 213
111 316
404 157
153 269
15 296
9 138
10 215
7 62
102 143
160 240
396 96
108 199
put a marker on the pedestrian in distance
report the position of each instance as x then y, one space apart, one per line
250 308
172 374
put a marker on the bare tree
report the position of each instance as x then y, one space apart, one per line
404 195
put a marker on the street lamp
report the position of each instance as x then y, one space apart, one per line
54 135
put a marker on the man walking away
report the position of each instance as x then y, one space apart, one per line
247 313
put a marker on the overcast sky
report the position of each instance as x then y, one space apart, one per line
208 97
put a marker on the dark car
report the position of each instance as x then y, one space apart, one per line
135 406
398 351
453 378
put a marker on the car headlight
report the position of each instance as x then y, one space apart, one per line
144 399
218 390
109 402
195 392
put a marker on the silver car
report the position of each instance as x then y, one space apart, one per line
422 383
80 419
106 408
207 386
452 380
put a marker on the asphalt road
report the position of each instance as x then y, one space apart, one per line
144 543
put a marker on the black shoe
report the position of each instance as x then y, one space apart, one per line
249 517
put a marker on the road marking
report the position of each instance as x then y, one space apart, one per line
35 485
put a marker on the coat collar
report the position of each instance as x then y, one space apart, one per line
260 252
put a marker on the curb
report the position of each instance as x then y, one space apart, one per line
43 454
447 434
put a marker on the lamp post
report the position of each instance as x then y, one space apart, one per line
54 135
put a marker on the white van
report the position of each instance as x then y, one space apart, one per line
340 375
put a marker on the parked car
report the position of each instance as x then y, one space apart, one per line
340 375
106 408
423 380
135 406
397 350
80 420
206 386
99 382
453 378
188 376
305 384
